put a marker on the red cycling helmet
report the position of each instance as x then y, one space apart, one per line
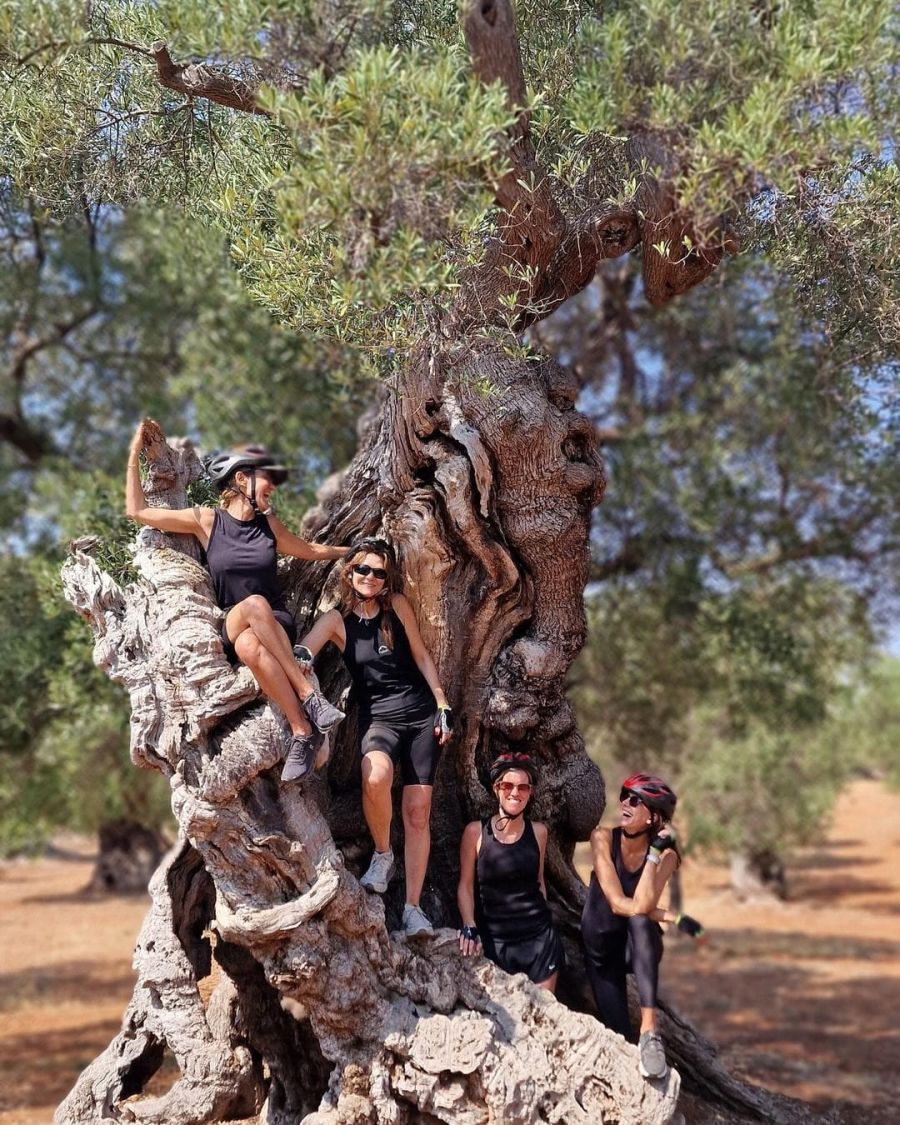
653 791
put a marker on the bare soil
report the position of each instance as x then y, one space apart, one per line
801 996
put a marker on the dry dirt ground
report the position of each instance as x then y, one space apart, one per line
803 997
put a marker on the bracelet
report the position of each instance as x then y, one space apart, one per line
654 859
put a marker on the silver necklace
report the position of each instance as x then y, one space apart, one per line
365 617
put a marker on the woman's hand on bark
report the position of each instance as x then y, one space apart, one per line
143 435
469 941
443 725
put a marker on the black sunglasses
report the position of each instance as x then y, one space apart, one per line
364 571
626 797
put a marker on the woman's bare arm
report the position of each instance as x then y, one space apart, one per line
182 521
541 835
287 543
328 627
465 892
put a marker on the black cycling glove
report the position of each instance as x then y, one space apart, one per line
660 843
689 926
443 721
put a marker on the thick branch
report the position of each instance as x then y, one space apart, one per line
15 431
678 251
198 80
534 223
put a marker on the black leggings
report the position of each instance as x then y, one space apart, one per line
631 945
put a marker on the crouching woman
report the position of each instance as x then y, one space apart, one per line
502 897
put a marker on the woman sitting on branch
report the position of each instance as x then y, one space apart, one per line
242 539
620 923
502 897
404 718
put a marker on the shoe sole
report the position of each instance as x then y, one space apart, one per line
646 1073
286 777
374 888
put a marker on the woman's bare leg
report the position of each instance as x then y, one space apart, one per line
256 614
272 680
417 832
377 777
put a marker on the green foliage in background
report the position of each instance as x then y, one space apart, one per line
749 533
63 724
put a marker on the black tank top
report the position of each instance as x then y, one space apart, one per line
242 560
628 879
386 681
509 905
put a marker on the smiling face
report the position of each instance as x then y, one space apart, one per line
634 817
265 487
370 584
513 790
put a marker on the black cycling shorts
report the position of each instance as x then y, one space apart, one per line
411 745
283 618
538 957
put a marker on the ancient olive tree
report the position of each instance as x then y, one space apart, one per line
388 178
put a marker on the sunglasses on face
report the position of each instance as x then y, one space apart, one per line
364 571
626 797
507 787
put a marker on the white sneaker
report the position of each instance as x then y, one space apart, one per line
380 873
415 923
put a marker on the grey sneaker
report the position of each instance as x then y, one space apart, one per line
324 714
300 758
415 923
653 1057
381 870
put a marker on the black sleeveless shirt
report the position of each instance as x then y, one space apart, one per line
509 905
242 559
386 681
628 879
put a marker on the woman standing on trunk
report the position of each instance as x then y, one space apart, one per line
502 897
404 718
620 923
242 538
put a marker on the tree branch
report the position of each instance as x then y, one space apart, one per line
671 265
834 542
198 80
35 344
535 223
15 431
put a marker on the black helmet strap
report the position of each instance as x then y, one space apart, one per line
508 818
251 499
